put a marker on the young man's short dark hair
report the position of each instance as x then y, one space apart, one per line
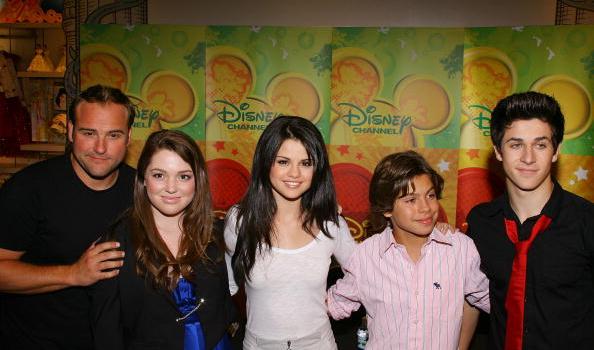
524 106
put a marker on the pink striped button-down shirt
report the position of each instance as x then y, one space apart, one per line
411 305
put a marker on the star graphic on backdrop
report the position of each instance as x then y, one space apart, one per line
359 156
551 54
472 153
572 182
234 152
443 165
343 149
219 145
538 40
581 174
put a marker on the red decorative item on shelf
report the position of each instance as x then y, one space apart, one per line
27 11
15 126
11 10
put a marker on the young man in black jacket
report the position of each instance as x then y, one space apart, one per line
536 241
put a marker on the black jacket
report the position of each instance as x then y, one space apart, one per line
127 313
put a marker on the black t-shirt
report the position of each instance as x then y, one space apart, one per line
559 299
48 212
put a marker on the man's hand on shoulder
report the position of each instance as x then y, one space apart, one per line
99 261
445 228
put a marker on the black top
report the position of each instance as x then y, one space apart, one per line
129 313
48 212
559 306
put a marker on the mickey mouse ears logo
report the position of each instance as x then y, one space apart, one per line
230 97
490 75
419 105
164 91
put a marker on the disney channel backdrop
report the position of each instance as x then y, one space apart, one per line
370 91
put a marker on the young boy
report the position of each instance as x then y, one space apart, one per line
411 278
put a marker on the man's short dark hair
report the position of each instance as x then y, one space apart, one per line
102 94
525 106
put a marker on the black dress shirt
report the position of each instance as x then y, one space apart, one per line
559 303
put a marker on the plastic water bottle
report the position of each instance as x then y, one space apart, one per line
362 334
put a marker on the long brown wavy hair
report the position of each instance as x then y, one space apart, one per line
154 261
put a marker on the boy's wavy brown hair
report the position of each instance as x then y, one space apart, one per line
391 180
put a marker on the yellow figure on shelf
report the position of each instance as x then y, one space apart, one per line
40 62
48 61
61 67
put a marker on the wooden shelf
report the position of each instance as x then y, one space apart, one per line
44 147
31 25
55 75
9 170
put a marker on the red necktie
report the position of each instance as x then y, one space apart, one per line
516 292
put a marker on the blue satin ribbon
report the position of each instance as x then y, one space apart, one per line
185 298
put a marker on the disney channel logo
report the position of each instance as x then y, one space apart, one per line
145 117
368 121
482 122
243 114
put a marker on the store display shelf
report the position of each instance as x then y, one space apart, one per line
44 147
56 75
31 25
